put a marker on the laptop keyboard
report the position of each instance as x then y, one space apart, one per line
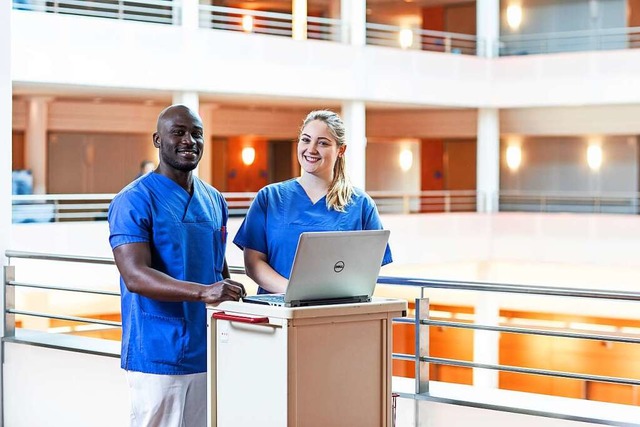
270 298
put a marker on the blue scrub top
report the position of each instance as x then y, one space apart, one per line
282 211
187 237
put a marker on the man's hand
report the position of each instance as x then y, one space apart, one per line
225 290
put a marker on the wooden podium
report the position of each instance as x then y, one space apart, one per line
324 366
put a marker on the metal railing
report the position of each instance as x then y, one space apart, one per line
421 319
422 323
569 202
417 39
155 11
425 201
280 24
60 207
94 207
570 41
261 22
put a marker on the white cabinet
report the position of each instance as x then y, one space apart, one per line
304 367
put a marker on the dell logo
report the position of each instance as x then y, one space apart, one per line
338 266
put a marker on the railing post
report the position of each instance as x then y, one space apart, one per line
447 44
422 346
406 205
8 325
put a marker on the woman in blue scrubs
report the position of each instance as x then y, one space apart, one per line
321 199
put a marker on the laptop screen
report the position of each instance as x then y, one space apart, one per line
336 265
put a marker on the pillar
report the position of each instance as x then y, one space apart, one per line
354 117
299 19
354 22
187 14
36 141
486 345
488 160
5 157
488 27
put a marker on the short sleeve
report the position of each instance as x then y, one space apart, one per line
129 219
371 221
252 233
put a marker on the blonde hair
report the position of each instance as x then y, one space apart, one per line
340 189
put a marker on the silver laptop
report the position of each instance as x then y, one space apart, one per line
332 267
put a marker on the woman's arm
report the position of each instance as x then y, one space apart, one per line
262 273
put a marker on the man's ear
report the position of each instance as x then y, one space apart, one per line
156 140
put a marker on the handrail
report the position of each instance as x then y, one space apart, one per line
69 318
265 22
512 288
570 41
423 284
429 40
155 11
61 288
58 257
72 207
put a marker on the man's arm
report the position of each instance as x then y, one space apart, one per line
134 263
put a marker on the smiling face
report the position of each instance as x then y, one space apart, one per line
318 150
180 139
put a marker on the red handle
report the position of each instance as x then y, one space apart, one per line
221 315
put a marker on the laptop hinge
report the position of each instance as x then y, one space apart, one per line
327 301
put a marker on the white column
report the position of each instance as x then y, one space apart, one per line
36 141
192 100
205 171
354 117
5 128
354 21
488 26
299 19
486 343
5 157
488 159
189 14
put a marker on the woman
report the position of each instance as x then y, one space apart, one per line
321 199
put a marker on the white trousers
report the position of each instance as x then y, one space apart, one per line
168 400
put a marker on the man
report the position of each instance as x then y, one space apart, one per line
168 235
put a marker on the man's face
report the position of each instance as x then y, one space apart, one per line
180 139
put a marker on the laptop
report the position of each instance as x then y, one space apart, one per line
331 267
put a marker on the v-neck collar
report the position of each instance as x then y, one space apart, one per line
303 191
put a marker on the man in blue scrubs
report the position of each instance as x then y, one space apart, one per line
168 235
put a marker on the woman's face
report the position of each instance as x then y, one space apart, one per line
318 150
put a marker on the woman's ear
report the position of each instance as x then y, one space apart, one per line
341 150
